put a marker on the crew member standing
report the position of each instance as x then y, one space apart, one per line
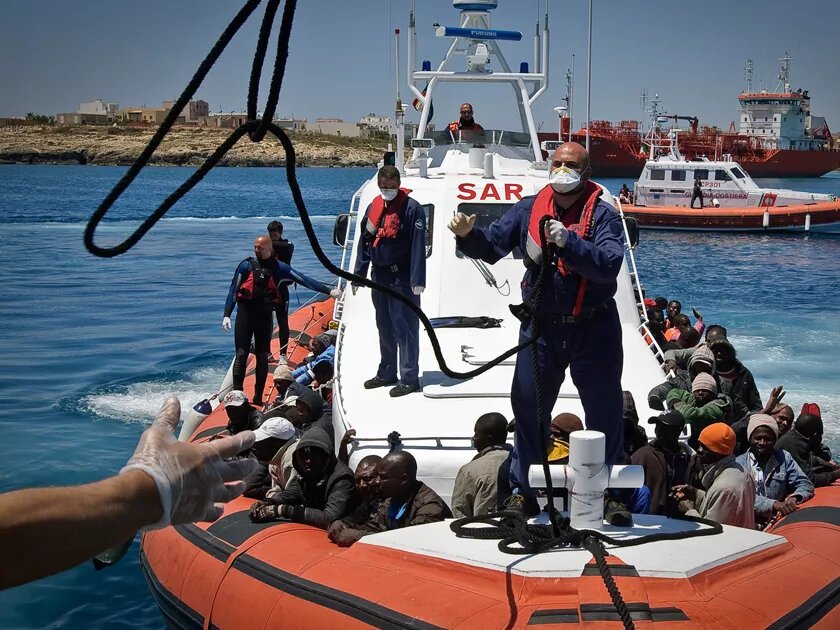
466 122
578 319
394 243
283 250
697 192
255 291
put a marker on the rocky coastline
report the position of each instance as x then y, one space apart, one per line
183 146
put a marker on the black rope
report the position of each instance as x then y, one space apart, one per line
256 130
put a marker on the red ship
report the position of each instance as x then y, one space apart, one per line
777 137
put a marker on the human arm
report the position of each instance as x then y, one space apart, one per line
680 356
432 511
462 495
598 259
363 250
752 395
417 217
165 482
797 479
338 502
239 276
347 438
496 241
284 274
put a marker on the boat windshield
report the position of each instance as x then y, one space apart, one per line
486 213
488 137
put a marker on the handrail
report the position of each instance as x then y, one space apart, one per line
355 200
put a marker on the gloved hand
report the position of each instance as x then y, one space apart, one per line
335 293
354 286
417 290
193 480
461 224
226 324
556 232
264 511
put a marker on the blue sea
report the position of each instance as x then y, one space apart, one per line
89 347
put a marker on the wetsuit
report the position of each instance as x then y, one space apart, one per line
589 344
398 261
283 251
253 315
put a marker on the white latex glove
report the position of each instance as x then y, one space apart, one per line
226 324
461 224
556 232
335 293
193 480
417 290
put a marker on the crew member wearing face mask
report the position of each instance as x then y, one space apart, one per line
465 122
254 292
394 244
578 319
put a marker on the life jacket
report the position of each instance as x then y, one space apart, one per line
259 279
544 206
456 126
384 222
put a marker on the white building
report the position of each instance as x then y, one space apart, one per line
99 107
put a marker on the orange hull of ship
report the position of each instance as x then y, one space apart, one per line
236 574
823 215
612 157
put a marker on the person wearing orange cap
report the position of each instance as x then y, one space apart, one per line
728 494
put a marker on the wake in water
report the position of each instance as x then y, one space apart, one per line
140 400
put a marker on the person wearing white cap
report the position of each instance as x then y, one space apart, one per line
701 406
780 484
241 414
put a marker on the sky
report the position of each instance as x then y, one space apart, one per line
55 55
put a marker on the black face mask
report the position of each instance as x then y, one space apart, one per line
466 122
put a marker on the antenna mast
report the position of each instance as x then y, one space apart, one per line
784 74
749 71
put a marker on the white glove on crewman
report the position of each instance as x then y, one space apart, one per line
461 224
556 232
193 480
226 324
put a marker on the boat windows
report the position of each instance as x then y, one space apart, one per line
487 137
701 173
721 175
429 210
486 213
737 172
657 174
677 176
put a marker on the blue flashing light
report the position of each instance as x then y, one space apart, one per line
478 33
427 65
523 67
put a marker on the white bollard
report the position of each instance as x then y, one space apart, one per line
587 477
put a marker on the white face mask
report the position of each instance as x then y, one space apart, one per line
388 194
564 180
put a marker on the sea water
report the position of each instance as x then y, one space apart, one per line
89 347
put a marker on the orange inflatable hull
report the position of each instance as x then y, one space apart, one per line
237 574
823 217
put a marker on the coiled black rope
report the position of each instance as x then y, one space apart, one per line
256 130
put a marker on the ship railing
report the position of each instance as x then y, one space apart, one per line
643 329
338 309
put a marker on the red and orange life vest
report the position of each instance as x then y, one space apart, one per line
384 222
259 277
544 206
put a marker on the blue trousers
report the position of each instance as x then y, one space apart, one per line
399 332
593 352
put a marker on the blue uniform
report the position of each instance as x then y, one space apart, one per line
399 263
590 347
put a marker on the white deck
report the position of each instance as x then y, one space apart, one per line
677 559
447 409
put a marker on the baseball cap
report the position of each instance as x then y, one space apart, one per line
279 428
672 418
234 398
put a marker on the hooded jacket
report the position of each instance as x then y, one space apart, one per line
321 416
698 417
729 495
782 478
818 470
743 392
320 501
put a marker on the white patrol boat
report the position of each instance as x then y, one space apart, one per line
663 197
661 572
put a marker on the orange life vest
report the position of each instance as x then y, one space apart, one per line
456 126
258 277
544 206
384 222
